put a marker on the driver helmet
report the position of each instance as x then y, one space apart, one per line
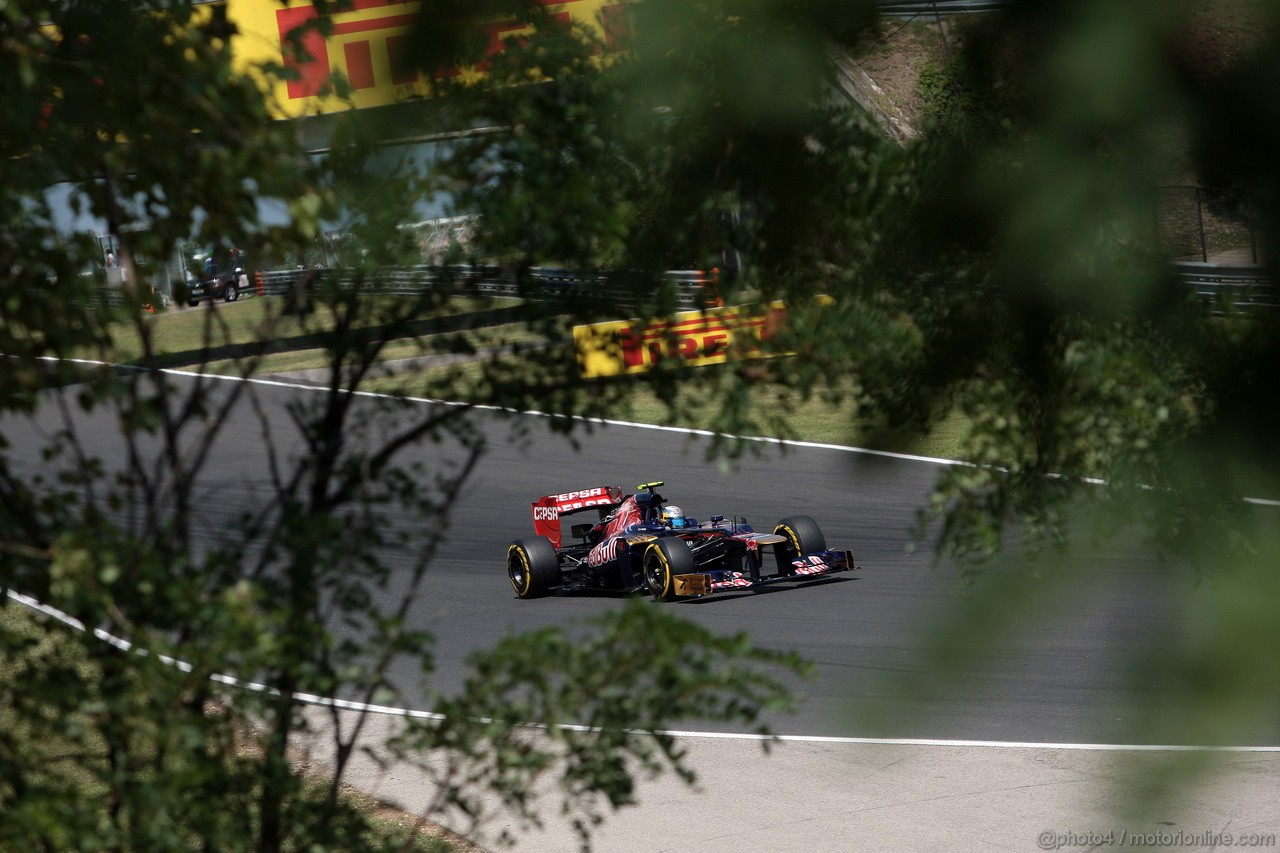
673 515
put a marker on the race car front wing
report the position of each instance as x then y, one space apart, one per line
801 569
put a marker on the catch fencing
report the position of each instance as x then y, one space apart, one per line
693 288
1208 224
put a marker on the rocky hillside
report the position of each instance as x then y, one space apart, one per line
886 69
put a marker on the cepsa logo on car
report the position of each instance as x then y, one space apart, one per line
546 513
570 501
584 493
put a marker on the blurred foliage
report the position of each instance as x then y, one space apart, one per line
942 93
1007 265
131 112
1092 361
624 683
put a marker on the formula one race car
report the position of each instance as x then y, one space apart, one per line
640 542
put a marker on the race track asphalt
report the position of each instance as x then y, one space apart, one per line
1060 678
1061 675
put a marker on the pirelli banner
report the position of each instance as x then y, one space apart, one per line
367 46
713 336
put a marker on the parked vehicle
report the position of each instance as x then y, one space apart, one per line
223 279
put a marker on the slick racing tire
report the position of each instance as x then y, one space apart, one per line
533 566
662 561
803 537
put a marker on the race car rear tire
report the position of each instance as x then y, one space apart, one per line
533 566
803 537
662 561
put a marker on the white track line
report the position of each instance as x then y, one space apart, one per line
376 395
344 704
759 439
390 711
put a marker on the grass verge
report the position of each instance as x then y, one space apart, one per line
214 337
812 419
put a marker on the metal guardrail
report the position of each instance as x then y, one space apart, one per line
931 8
693 287
1231 289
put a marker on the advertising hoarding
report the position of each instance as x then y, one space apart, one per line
712 336
368 47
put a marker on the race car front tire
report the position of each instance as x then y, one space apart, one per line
662 561
803 537
533 566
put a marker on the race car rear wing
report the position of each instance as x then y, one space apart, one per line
547 510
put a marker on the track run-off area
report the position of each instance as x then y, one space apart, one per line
1059 677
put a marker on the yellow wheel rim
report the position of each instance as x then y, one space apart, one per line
525 571
667 578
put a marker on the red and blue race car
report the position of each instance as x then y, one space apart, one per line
640 542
